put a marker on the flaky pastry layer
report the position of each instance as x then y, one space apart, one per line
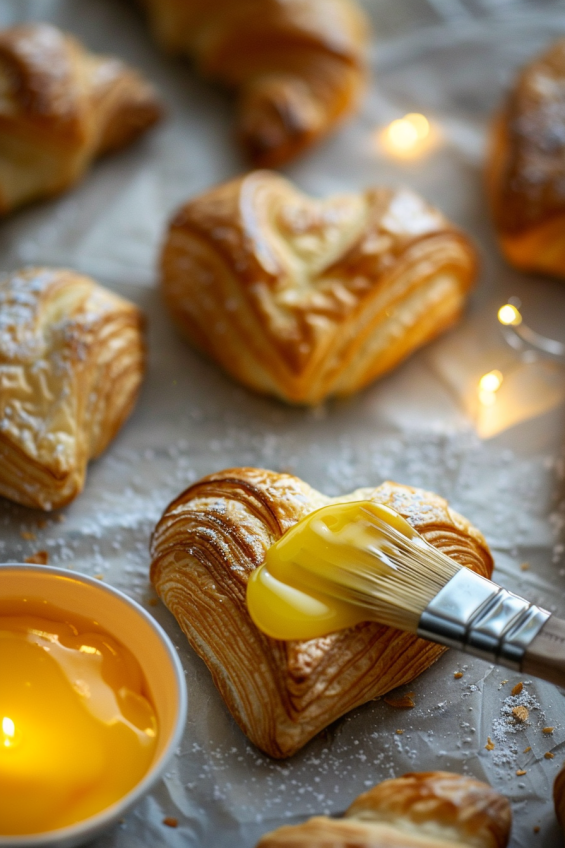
526 168
297 65
204 548
303 298
71 363
60 108
424 810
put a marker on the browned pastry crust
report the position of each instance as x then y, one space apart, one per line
526 171
435 809
297 65
61 107
304 298
204 548
71 363
559 797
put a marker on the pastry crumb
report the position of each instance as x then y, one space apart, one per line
153 602
548 755
527 750
400 732
458 675
28 535
404 703
490 744
525 566
503 682
60 518
537 828
547 729
520 713
170 821
38 558
520 772
99 577
517 689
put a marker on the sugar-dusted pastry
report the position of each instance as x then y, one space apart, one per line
204 548
435 809
304 298
71 363
526 171
297 65
60 108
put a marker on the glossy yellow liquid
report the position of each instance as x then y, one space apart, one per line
290 595
77 730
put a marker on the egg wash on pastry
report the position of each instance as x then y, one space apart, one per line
77 729
352 562
293 596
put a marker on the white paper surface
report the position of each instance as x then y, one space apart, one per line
449 59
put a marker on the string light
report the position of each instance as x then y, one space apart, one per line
405 135
509 315
489 384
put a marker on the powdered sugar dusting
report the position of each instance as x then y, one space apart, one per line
509 732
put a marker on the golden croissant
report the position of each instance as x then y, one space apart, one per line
61 107
297 65
436 809
526 171
303 298
71 363
204 548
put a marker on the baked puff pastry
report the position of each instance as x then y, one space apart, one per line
204 548
71 363
297 65
436 809
60 108
304 298
526 173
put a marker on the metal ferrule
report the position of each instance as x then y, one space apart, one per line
477 616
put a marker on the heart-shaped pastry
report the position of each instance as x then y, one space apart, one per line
304 298
204 548
71 363
435 809
526 170
61 107
297 65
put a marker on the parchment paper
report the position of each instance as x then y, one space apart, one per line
451 60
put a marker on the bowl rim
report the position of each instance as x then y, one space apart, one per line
83 830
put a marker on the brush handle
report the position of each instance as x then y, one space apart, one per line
545 657
474 615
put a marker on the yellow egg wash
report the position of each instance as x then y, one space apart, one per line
290 596
77 729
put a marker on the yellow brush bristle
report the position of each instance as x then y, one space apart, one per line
369 557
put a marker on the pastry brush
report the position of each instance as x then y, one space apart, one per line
365 557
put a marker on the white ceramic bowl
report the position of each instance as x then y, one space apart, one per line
133 627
